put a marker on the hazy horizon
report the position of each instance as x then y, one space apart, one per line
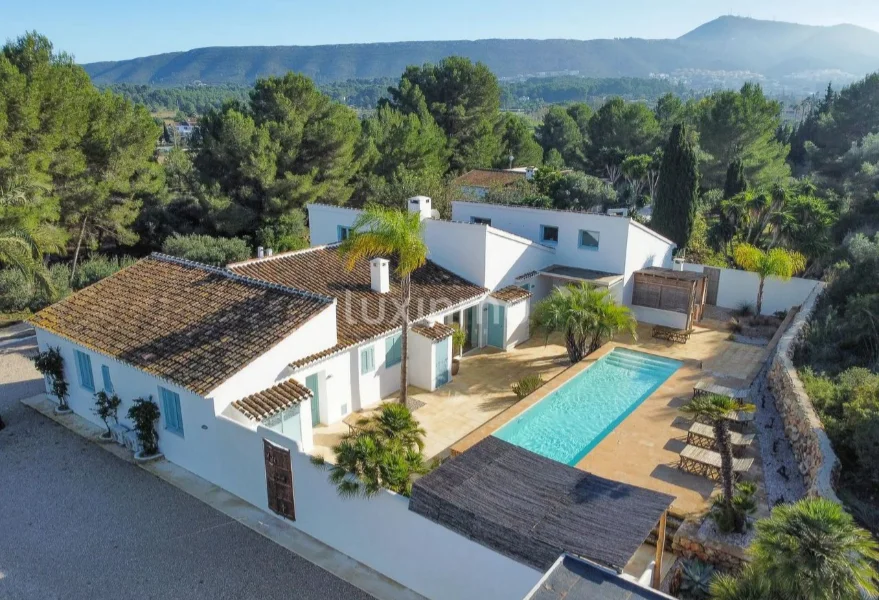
100 30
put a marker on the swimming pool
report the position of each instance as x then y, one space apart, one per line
572 420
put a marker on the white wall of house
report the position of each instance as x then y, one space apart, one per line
644 248
421 361
317 334
740 287
458 247
324 221
654 316
508 256
517 328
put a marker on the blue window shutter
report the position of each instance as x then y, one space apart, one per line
393 350
367 360
171 410
108 382
84 369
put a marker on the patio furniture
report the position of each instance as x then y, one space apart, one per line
740 420
704 386
701 461
680 336
702 435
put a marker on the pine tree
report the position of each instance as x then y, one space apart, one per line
675 204
735 179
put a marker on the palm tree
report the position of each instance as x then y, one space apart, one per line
714 408
813 550
586 315
383 451
386 232
776 262
749 585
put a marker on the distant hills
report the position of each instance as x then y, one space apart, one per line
717 53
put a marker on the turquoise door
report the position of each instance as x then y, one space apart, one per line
495 326
311 384
442 362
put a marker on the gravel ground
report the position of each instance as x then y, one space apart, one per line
78 523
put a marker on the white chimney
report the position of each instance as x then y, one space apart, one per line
529 173
379 278
260 252
269 251
678 264
421 205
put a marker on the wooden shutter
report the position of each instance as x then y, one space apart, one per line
279 480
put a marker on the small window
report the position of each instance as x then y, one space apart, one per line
84 370
393 350
171 411
344 409
589 239
108 383
549 235
367 360
344 233
480 221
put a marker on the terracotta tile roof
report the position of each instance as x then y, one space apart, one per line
511 294
266 403
188 323
434 331
527 275
361 313
488 178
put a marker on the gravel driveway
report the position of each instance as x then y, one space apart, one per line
76 522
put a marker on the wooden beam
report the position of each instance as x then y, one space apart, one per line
660 546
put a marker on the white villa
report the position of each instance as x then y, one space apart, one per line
245 362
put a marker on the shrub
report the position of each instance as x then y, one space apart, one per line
206 249
283 234
106 407
16 291
744 309
59 275
733 517
696 579
51 365
144 413
735 325
527 385
97 267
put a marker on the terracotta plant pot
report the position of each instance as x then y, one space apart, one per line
456 366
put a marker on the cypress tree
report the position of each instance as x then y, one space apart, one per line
675 206
735 179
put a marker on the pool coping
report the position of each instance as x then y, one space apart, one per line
501 419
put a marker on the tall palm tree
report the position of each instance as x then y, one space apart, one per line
585 315
382 452
776 262
813 550
714 408
22 248
399 235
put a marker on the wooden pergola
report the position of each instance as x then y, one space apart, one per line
666 289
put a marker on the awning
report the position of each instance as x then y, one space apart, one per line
599 278
533 509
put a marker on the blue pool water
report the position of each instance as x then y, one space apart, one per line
572 420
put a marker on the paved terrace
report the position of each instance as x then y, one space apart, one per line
642 450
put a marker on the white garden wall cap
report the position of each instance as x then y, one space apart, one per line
271 401
181 321
511 294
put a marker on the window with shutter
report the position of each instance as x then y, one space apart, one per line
367 360
171 411
393 350
108 383
84 370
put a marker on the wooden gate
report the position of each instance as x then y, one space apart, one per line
279 480
713 274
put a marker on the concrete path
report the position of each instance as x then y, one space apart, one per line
77 522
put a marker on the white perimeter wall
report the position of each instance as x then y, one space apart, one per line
737 287
644 249
517 324
324 221
668 318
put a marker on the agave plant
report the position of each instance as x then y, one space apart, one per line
696 579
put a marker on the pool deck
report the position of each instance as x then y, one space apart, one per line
643 449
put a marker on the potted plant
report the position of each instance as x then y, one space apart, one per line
51 364
459 338
144 413
106 408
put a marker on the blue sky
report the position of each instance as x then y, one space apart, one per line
94 30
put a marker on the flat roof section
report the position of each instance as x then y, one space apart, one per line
533 509
574 579
600 278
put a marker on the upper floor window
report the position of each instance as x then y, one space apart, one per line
344 233
480 220
588 239
549 235
84 370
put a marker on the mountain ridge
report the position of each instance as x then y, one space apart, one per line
724 44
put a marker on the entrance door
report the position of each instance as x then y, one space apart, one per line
713 284
279 480
442 362
311 383
472 329
496 325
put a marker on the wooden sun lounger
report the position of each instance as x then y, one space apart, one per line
680 336
707 462
706 387
702 435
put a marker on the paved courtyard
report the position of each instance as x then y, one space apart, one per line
78 523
